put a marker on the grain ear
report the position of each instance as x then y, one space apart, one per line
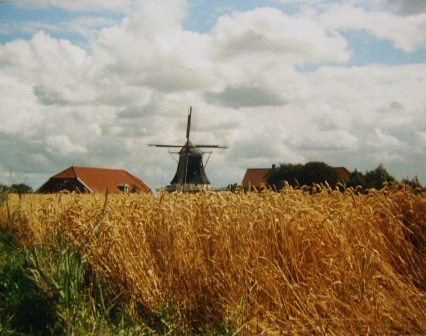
330 262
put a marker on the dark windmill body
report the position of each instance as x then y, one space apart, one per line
190 174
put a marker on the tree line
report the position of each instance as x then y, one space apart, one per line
297 175
16 188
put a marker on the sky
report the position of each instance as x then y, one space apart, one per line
92 83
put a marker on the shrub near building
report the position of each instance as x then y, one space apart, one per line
371 179
297 175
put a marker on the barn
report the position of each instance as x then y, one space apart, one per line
94 180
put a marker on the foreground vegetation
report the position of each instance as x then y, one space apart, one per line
327 262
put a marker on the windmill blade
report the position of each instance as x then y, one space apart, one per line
187 146
188 125
166 146
210 146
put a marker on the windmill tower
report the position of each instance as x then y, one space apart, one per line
190 174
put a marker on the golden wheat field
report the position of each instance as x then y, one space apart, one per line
335 263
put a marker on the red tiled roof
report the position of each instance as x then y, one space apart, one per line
342 173
255 177
101 179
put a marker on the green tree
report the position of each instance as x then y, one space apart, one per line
318 172
376 177
290 173
20 188
412 182
4 189
297 175
357 179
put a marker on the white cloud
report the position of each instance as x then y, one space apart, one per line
406 7
269 33
242 96
299 1
54 68
327 118
149 48
406 32
329 140
383 140
17 105
420 142
62 145
150 16
102 106
367 93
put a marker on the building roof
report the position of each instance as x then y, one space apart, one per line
342 173
100 179
255 177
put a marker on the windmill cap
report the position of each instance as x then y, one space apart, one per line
192 150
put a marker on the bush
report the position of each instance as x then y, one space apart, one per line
413 183
297 175
375 178
20 188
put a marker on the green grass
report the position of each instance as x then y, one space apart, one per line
24 307
52 291
45 291
338 263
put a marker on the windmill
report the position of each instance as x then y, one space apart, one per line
190 174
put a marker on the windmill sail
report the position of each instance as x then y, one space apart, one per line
188 124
